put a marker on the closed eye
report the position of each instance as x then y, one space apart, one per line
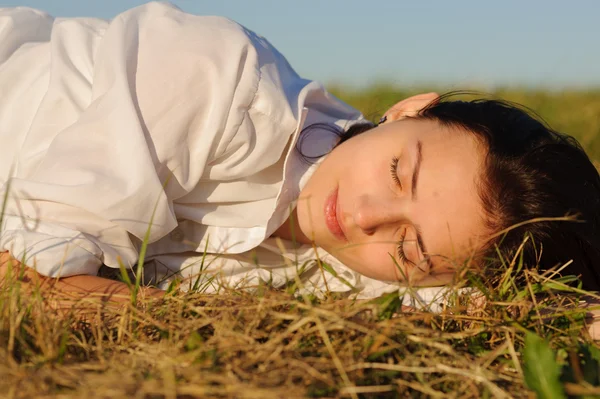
394 171
400 249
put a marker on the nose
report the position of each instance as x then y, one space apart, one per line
371 213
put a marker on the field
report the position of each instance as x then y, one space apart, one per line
568 111
526 337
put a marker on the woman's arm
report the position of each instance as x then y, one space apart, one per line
82 286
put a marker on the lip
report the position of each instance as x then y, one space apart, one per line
332 215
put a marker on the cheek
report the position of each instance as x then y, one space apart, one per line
370 175
372 260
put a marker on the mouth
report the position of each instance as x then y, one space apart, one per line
332 216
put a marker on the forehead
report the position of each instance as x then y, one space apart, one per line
448 208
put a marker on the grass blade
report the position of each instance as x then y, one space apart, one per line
541 371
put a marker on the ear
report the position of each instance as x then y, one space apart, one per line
410 106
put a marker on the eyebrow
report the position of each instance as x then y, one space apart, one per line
413 189
423 248
416 169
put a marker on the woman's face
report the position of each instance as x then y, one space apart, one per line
399 200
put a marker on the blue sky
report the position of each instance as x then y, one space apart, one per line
550 43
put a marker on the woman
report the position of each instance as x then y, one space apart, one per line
195 135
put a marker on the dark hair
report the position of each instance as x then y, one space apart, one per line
532 174
319 128
532 177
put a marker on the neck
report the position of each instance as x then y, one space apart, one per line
290 230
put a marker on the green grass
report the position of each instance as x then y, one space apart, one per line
573 112
524 336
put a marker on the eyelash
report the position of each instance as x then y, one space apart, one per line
394 171
400 248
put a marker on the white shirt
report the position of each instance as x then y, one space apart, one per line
186 122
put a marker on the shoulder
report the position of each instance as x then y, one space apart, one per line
192 44
20 25
172 22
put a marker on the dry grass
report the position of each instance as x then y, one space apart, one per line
270 343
